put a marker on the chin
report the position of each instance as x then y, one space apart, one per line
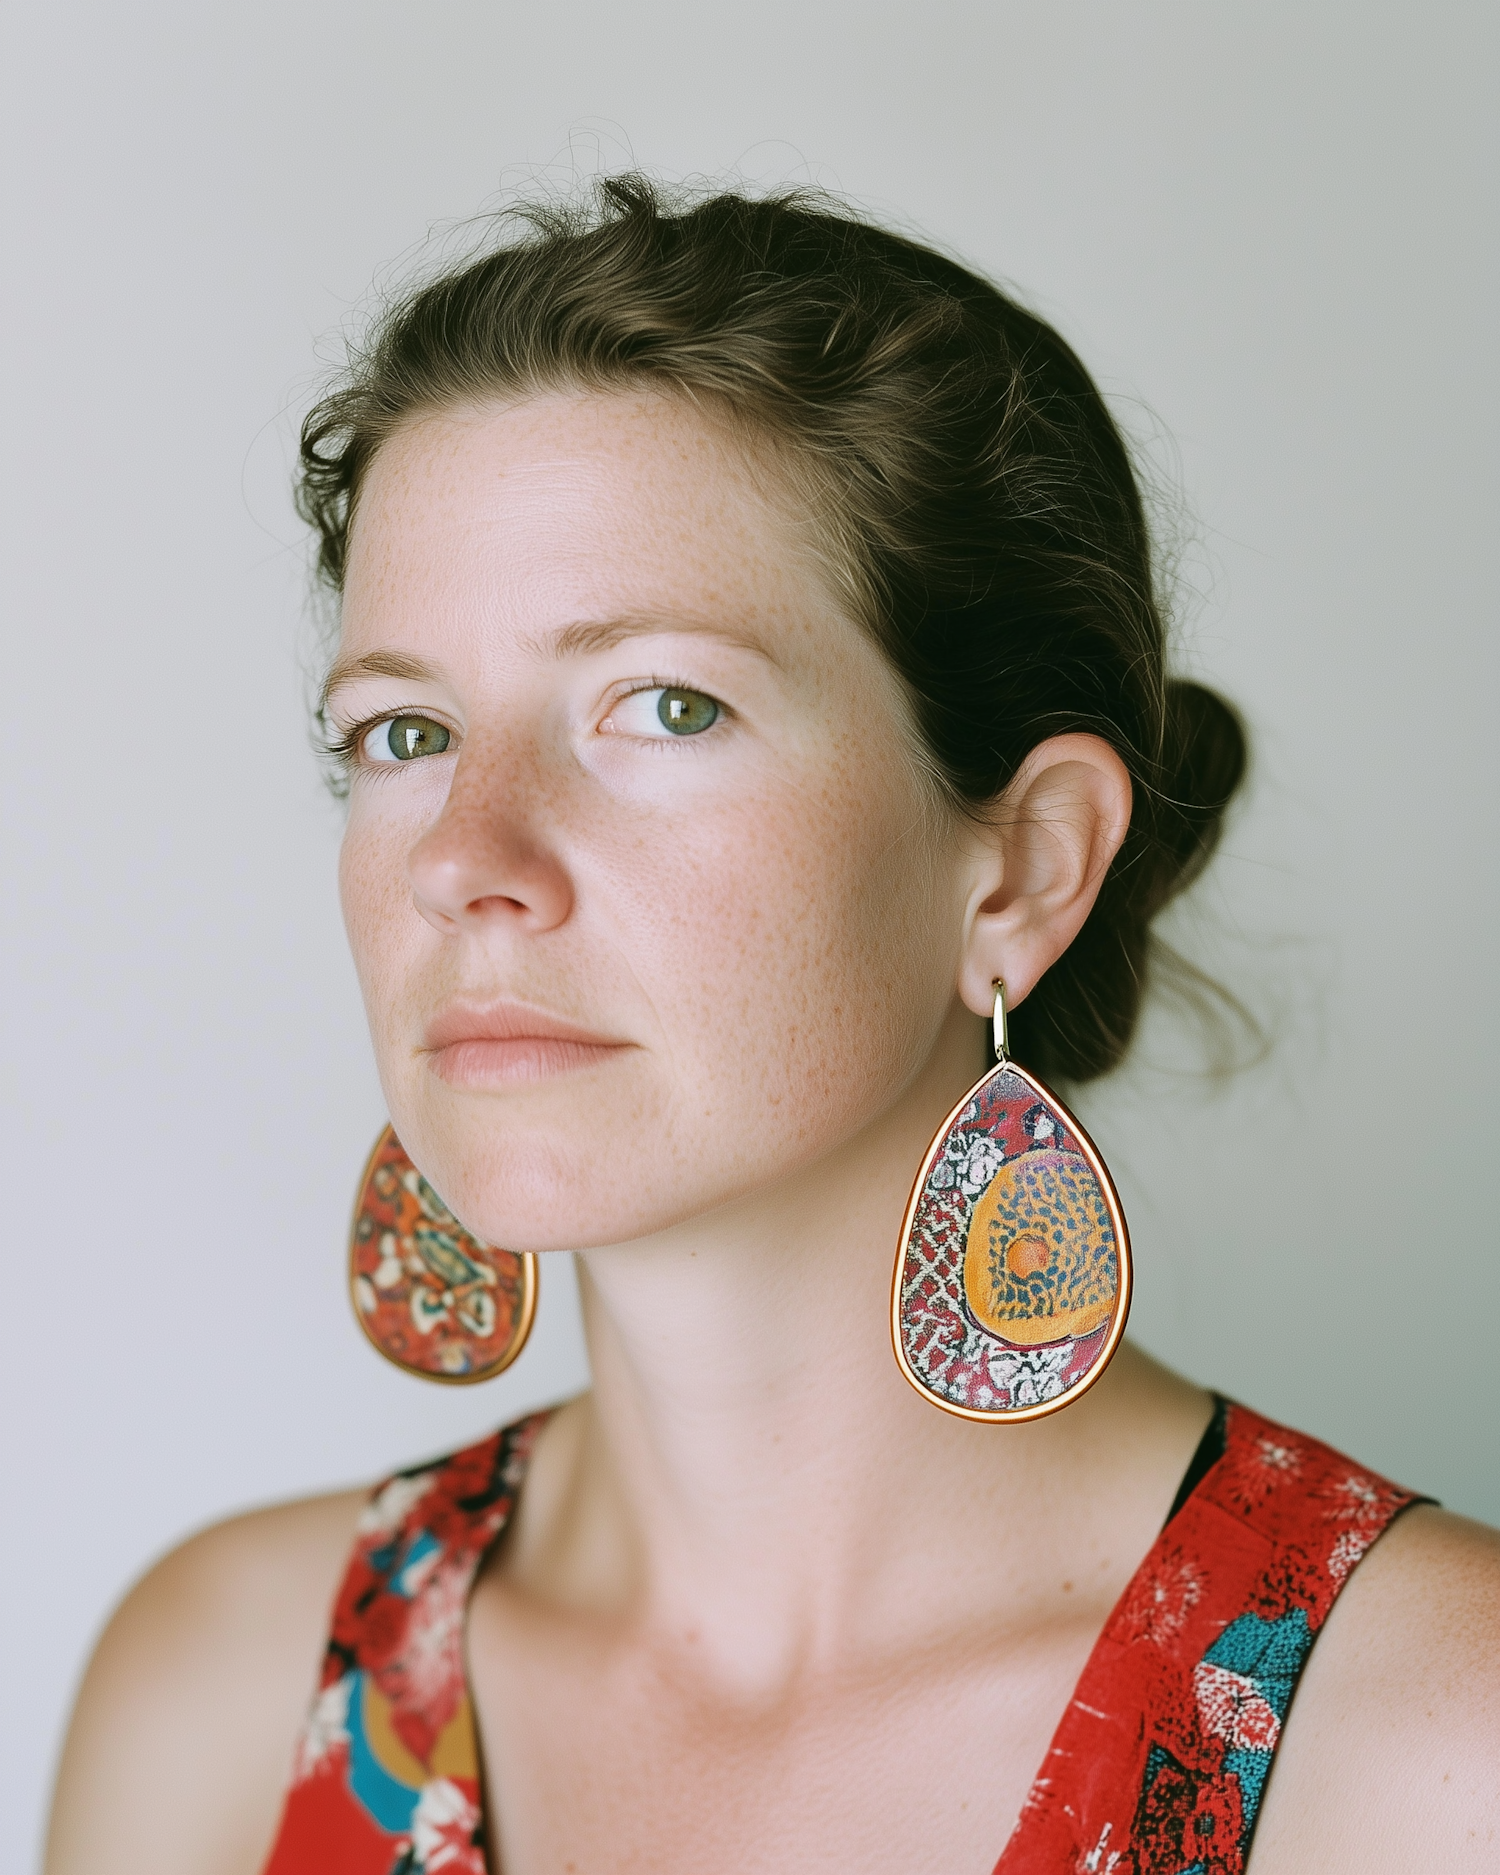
530 1182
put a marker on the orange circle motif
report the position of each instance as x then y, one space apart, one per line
1040 1263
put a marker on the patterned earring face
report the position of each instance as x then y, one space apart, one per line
431 1298
1012 1280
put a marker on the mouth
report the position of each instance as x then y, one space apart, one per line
480 1045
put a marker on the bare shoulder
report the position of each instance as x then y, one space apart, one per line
1391 1758
182 1735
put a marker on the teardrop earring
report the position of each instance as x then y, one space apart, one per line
1012 1280
430 1297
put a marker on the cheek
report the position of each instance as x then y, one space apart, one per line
801 960
375 895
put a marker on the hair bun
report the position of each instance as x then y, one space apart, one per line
1205 752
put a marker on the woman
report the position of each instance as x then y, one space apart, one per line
748 660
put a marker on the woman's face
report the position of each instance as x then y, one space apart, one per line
649 899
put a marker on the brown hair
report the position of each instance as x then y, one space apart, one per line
978 502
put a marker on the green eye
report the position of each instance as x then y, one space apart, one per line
686 712
404 738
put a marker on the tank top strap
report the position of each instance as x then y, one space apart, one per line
386 1777
1162 1756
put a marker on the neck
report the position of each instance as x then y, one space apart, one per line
750 1444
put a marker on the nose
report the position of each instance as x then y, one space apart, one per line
483 860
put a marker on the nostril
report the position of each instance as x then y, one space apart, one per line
495 901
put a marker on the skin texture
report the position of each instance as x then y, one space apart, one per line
761 1606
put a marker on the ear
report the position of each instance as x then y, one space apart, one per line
1040 859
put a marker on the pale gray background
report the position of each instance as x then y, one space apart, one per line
1270 225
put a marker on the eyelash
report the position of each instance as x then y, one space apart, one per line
344 749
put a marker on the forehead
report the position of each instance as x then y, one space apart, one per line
575 505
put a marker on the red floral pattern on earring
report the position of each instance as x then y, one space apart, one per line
431 1297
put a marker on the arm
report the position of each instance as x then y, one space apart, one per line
1391 1758
181 1740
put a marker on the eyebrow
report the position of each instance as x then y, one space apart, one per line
588 635
375 664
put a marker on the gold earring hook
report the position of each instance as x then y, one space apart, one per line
1002 1049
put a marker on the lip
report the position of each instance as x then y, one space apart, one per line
504 1043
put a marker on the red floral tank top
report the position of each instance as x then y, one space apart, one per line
1157 1767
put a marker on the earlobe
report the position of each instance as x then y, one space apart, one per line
1042 857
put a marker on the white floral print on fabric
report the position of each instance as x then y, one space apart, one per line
432 1659
1362 1505
1159 1602
443 1831
325 1729
1279 1455
389 1509
1233 1708
1345 1553
1101 1859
